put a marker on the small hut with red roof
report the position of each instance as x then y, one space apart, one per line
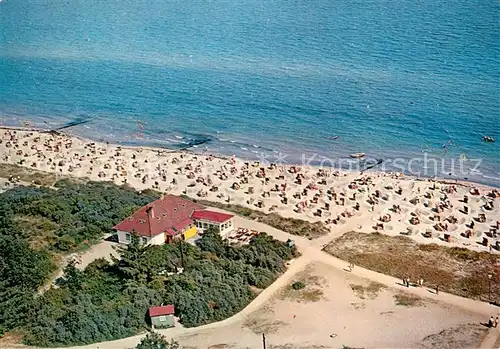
162 316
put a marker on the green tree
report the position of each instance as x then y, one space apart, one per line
154 340
74 278
132 262
22 272
211 241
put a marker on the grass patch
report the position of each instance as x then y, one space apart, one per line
465 254
313 295
307 288
27 175
369 291
407 300
456 270
262 322
293 226
307 294
40 231
462 336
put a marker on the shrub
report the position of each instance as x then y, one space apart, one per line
154 340
298 285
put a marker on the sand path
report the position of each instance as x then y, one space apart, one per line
490 339
311 252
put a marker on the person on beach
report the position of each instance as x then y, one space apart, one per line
496 321
421 282
351 266
437 289
490 322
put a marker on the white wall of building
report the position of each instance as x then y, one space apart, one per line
157 240
224 228
124 238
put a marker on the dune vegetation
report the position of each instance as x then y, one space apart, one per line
109 300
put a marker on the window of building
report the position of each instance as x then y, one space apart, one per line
163 318
144 240
128 237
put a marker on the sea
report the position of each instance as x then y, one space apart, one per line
413 84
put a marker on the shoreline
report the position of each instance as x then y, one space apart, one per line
442 180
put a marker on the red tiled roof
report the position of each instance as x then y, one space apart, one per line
211 216
183 223
170 213
171 232
162 310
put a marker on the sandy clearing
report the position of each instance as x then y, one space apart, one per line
369 322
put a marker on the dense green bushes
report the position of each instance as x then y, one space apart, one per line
110 300
62 219
22 271
38 223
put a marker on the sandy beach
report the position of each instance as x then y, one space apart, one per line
453 214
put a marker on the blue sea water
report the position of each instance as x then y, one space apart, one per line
263 78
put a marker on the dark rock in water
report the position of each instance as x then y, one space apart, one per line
73 123
371 164
198 141
195 139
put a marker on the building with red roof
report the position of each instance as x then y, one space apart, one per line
210 216
162 316
206 219
168 218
